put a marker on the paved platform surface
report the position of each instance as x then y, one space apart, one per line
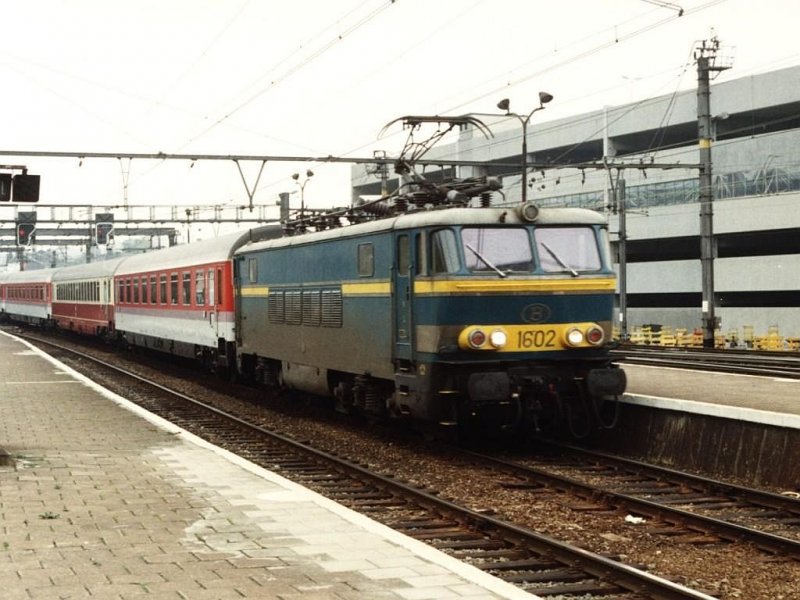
766 400
103 501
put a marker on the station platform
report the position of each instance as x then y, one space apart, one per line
764 400
742 427
99 499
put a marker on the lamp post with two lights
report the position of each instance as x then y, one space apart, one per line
505 104
302 186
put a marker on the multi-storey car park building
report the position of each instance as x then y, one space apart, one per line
756 191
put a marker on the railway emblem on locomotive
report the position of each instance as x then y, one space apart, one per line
536 313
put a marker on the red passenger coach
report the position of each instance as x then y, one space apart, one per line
83 297
180 300
27 297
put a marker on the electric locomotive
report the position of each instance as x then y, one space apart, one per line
485 319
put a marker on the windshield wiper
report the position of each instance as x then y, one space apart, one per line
555 256
485 261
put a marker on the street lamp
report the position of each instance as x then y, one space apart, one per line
296 177
505 104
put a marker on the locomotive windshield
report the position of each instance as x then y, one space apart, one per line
567 249
505 250
499 250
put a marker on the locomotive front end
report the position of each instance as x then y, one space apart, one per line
513 313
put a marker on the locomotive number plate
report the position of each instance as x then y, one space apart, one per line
542 338
534 338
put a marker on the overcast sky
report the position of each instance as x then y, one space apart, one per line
322 77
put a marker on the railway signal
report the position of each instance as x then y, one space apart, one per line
25 188
25 233
103 228
5 187
104 233
18 188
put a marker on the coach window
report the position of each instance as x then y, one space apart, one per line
200 287
444 252
219 286
153 289
135 290
186 297
129 290
211 287
366 260
162 289
173 288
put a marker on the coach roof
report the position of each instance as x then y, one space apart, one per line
209 251
103 268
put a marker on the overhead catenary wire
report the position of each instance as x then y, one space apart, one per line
292 70
568 60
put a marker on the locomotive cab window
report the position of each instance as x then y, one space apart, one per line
567 249
403 262
366 260
444 252
493 250
252 270
420 257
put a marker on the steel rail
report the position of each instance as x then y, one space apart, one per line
652 508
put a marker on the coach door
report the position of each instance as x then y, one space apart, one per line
212 290
403 292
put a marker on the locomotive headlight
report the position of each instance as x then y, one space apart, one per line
574 337
498 338
595 335
476 338
481 337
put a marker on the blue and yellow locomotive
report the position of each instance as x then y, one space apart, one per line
486 318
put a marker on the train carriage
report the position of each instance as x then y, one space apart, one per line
482 316
180 299
27 296
3 278
83 297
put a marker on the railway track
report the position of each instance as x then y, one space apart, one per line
693 508
536 563
745 362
